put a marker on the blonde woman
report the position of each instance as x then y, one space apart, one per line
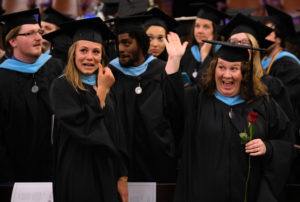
89 154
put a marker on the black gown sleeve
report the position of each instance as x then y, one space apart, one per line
78 118
173 102
6 168
277 167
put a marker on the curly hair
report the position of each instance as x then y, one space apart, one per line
259 89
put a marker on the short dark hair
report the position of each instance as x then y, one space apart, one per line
142 39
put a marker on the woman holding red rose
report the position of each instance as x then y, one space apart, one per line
214 164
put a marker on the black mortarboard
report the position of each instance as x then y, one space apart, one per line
132 7
283 21
236 53
53 16
129 23
185 25
208 12
110 7
13 20
245 11
60 41
159 18
241 23
90 29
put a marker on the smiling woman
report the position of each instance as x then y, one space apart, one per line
216 113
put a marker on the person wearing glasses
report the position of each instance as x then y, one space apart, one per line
244 30
25 121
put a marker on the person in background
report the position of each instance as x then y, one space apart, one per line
90 151
60 43
244 30
198 55
234 135
279 63
145 92
25 121
157 28
284 65
50 21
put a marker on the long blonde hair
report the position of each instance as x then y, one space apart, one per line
72 74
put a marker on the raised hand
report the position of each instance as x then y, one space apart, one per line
175 50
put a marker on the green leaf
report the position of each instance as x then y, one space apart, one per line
244 138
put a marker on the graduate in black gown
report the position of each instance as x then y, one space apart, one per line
280 63
144 92
244 30
25 121
198 54
157 28
90 153
219 161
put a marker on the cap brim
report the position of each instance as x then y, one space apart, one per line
232 45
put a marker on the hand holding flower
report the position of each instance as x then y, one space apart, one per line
256 147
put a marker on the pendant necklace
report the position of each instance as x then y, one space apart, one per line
34 88
138 89
195 73
230 113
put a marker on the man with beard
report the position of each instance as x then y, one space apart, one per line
145 94
25 121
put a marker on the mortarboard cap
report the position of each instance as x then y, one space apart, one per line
90 29
244 24
59 40
159 18
110 7
233 52
208 12
283 21
185 25
130 7
129 23
13 20
53 16
245 11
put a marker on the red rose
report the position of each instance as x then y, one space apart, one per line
252 117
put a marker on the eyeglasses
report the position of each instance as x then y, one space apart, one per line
245 42
32 33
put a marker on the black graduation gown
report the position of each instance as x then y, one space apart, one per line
280 94
189 65
151 122
288 71
214 163
87 163
25 125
